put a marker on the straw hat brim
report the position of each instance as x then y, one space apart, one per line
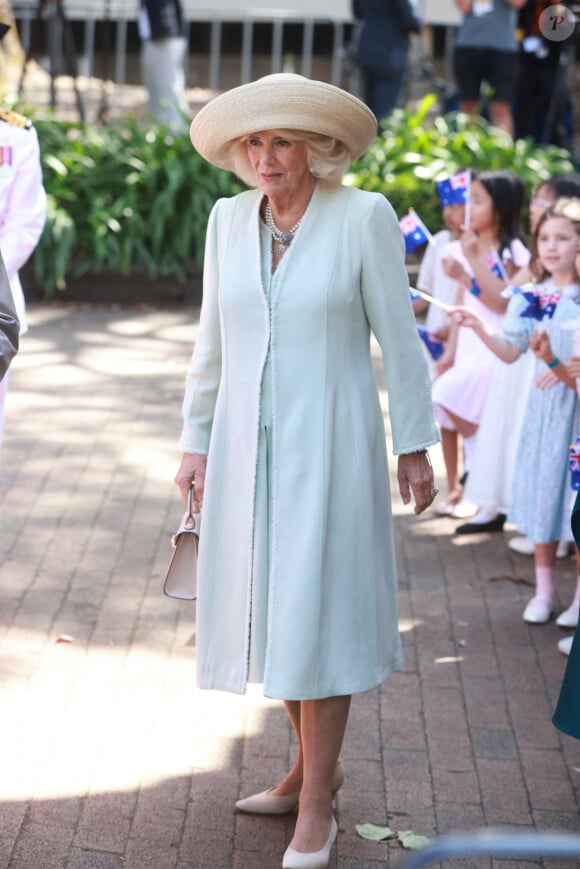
282 101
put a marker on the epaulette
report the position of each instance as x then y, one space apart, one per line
15 119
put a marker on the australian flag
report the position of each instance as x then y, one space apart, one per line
414 231
495 265
574 464
454 189
433 345
542 301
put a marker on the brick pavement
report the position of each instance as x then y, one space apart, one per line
110 758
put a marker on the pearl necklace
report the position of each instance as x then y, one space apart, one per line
283 239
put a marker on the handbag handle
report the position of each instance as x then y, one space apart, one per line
190 521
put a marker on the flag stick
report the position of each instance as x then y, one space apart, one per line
467 198
432 299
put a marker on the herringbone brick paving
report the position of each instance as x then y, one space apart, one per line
110 758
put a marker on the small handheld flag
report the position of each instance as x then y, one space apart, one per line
574 464
542 301
453 190
433 345
414 231
496 267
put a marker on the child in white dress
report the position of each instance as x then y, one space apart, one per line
464 370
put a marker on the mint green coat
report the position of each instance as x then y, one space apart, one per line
332 592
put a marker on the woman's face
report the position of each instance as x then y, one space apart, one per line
541 200
280 165
481 216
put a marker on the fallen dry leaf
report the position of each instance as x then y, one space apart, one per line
374 833
409 839
64 638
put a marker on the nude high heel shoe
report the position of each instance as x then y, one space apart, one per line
266 803
313 859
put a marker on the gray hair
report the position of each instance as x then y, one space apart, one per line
328 159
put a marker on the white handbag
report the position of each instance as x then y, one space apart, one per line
181 576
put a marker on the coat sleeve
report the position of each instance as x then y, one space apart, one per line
22 222
385 293
409 15
204 372
9 325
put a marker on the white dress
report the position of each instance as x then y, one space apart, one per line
489 483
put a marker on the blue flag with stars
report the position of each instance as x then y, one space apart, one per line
414 231
455 189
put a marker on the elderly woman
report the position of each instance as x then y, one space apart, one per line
283 430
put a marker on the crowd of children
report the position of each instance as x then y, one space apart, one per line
504 377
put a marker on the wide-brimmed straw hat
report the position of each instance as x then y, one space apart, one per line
281 101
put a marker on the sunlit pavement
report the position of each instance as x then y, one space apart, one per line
109 757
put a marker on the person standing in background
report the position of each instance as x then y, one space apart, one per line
163 30
486 52
382 52
543 92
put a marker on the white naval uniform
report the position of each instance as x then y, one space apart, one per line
22 208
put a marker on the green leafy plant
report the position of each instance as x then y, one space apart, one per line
128 197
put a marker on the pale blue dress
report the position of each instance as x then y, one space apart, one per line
541 477
263 511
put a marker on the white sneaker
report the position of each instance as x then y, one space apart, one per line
563 550
565 645
525 546
569 618
522 545
538 610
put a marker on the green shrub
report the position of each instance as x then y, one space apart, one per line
134 198
125 197
415 150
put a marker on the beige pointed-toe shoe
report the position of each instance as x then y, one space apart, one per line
312 859
267 803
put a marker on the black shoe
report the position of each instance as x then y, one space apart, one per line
482 527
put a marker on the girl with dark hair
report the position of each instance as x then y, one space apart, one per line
491 239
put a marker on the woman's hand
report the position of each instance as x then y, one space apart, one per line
191 470
415 474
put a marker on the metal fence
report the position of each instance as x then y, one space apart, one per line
56 16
